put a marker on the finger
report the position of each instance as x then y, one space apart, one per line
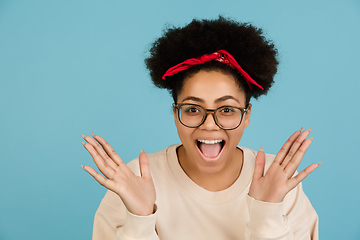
285 148
295 161
105 157
99 161
293 182
109 184
259 164
109 150
93 142
144 165
295 146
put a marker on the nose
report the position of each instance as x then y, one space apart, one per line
209 123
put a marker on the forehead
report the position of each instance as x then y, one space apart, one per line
210 86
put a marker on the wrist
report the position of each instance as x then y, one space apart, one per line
271 199
267 198
144 212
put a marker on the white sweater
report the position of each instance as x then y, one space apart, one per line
186 211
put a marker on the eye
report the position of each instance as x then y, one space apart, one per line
227 110
191 109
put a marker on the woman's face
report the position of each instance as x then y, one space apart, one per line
211 90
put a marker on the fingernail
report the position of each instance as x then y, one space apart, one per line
83 136
83 143
311 138
301 129
93 134
261 149
319 163
142 151
309 130
83 168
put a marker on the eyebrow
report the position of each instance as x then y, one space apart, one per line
226 97
221 99
192 98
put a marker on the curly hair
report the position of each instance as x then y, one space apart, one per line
254 53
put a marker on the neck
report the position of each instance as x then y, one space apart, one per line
217 181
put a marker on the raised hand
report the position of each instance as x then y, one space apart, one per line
279 180
137 193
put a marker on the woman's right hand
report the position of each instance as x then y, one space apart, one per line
137 193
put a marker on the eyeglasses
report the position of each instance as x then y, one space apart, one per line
226 117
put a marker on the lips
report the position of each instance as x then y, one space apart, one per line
210 149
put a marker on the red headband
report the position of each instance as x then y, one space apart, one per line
220 56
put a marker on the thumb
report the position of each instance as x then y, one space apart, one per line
259 164
144 165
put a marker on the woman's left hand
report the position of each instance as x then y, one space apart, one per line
279 179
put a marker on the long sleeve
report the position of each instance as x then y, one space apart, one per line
281 221
112 222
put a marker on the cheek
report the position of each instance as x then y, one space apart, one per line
178 125
181 129
236 135
184 133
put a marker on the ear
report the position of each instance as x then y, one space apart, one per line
174 111
247 116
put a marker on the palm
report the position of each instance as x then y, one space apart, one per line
279 179
137 192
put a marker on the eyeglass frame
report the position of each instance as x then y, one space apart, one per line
242 110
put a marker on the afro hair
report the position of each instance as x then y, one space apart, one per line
254 53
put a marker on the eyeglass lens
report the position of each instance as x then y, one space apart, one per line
226 117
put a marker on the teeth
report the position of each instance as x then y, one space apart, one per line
210 141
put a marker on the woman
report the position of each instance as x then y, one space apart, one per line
207 187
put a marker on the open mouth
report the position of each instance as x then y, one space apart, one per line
210 149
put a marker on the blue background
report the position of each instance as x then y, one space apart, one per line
71 67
